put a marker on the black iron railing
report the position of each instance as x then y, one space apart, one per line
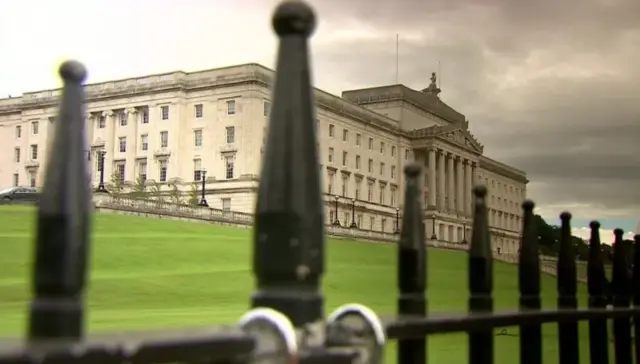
286 323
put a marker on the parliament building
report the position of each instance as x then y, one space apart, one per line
171 129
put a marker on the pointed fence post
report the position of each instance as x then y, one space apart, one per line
529 285
567 287
62 241
596 284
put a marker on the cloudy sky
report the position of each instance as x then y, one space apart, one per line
549 86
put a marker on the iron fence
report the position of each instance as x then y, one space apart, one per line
286 323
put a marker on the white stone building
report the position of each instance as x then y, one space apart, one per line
169 128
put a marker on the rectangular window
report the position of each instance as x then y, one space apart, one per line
382 190
164 110
393 171
406 154
266 108
198 110
34 152
163 171
345 135
145 116
144 142
231 134
120 171
332 130
229 167
102 122
197 138
393 150
16 179
358 183
226 204
35 127
122 141
231 107
357 162
369 192
164 139
32 179
381 169
18 132
393 196
330 155
370 143
142 170
370 167
16 154
344 159
124 117
358 139
197 169
330 185
382 147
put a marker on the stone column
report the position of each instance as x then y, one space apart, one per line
441 181
460 187
451 184
432 177
468 186
132 140
110 144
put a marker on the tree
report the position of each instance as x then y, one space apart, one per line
175 195
194 196
139 189
115 185
156 193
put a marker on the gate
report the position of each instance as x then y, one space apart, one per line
286 323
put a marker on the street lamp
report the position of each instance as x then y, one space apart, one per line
433 232
101 187
203 200
336 222
464 232
397 221
353 214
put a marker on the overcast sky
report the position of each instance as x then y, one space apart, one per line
549 86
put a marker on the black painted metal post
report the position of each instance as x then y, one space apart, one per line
529 285
433 227
567 289
60 267
480 279
203 200
336 220
101 187
596 284
621 299
397 229
353 214
412 272
288 242
464 233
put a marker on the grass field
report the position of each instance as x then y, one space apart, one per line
148 273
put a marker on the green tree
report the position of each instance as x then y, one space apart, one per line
115 185
139 189
175 195
194 196
156 193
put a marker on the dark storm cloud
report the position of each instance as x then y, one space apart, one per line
551 87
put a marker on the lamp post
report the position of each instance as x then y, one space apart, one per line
101 187
203 200
336 221
464 233
397 231
433 232
353 214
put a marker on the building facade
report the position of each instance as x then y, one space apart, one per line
172 130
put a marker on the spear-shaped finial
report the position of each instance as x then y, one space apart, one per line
61 251
288 258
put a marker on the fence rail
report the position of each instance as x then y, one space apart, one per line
286 322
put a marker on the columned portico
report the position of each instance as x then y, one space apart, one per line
468 174
431 156
441 181
459 186
451 185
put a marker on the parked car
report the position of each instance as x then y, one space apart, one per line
19 194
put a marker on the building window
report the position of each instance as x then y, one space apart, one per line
16 153
372 221
144 142
346 217
381 168
16 179
34 152
345 135
370 143
231 107
120 171
383 224
357 195
393 171
330 186
369 192
370 166
197 169
231 134
331 219
123 144
102 122
393 150
164 139
124 117
142 170
359 220
228 167
344 159
198 110
357 162
18 132
226 204
266 108
330 156
163 171
406 154
35 127
382 147
332 130
358 139
344 186
393 196
197 138
164 110
145 116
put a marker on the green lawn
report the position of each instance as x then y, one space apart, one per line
148 273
